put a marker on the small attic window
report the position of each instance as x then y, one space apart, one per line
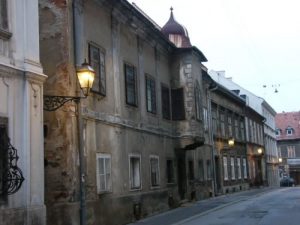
289 131
277 131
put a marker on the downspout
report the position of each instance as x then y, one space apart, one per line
211 139
77 8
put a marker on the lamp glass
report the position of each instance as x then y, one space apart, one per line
86 76
231 142
280 160
259 151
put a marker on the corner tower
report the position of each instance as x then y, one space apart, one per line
176 32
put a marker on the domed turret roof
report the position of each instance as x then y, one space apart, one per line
175 28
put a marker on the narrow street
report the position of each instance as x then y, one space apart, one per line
264 207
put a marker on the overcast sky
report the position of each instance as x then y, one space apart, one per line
256 42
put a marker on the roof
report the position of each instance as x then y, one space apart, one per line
288 120
173 27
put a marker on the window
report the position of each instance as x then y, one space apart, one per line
103 173
198 101
239 168
170 172
154 171
236 129
201 170
289 131
208 166
232 168
277 131
225 168
135 171
291 152
191 170
3 156
3 15
222 123
178 110
229 121
130 84
245 168
150 94
205 118
97 61
242 130
165 101
214 119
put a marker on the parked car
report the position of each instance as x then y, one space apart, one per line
287 182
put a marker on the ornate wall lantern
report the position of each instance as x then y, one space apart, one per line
85 75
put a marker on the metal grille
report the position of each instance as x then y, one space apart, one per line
11 177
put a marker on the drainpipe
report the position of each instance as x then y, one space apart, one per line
77 7
211 139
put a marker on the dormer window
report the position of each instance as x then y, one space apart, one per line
278 132
289 131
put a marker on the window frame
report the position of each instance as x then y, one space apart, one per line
239 168
166 102
4 15
191 170
132 86
150 83
3 125
225 168
157 175
232 167
170 179
131 184
208 169
245 170
108 181
201 170
289 131
99 67
198 101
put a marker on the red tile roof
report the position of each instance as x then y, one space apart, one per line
288 120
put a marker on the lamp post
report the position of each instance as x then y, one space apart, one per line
85 75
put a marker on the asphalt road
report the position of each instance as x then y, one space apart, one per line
197 209
275 207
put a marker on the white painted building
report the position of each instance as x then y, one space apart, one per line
264 109
21 113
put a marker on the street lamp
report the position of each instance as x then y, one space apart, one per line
231 142
259 151
85 75
280 160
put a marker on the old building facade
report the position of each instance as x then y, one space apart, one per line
288 136
260 133
227 116
143 129
21 115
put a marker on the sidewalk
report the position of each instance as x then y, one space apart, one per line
178 215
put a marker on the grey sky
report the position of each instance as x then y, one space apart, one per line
257 42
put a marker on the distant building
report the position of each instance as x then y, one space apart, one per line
288 142
260 133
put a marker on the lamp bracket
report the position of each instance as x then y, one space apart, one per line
52 103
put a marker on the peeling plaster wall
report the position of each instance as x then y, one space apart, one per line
110 125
